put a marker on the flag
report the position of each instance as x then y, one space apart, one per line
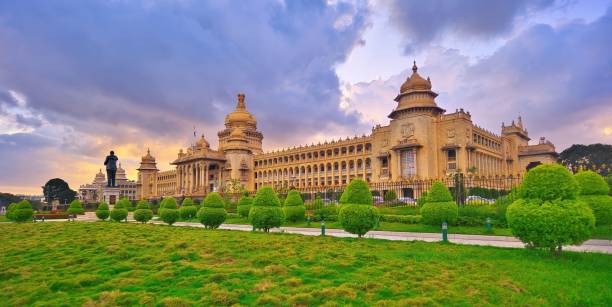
194 132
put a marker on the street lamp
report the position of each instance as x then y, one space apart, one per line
444 232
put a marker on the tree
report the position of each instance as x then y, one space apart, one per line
439 206
294 207
58 189
244 206
594 157
22 211
102 212
143 212
594 191
212 213
357 215
234 186
266 212
7 198
76 207
188 209
547 213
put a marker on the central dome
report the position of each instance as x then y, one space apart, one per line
240 116
415 82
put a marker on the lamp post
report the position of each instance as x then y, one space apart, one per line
308 219
322 227
444 232
488 225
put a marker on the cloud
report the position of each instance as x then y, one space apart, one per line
422 22
558 79
132 74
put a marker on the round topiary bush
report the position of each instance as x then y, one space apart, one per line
591 183
439 206
244 206
102 211
143 212
212 213
118 214
266 210
168 203
10 211
423 199
294 208
547 213
123 203
76 207
594 192
169 216
357 192
548 182
23 211
188 209
550 224
390 195
357 215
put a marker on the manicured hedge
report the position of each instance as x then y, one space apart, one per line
102 212
266 212
475 215
440 206
21 211
244 206
548 182
591 183
143 212
357 215
118 214
390 195
357 192
594 191
327 213
404 219
212 213
76 207
294 208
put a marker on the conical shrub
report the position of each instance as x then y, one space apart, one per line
294 208
212 213
266 212
357 215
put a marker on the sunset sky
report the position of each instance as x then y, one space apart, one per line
79 78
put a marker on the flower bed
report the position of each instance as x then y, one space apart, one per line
51 216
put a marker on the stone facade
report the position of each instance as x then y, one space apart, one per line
422 141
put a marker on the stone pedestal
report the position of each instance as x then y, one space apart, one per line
110 196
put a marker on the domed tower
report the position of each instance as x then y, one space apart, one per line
147 177
413 129
100 179
239 142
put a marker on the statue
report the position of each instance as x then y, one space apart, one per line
111 168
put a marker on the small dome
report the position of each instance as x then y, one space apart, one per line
237 134
202 142
120 175
415 82
240 116
148 157
100 178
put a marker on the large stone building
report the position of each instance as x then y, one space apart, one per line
95 192
422 141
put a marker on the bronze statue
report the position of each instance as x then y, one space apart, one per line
111 168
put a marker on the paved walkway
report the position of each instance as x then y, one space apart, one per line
601 246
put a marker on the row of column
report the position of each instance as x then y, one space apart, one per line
487 165
192 177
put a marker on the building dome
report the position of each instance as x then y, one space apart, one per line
240 116
202 143
237 135
120 175
100 178
148 157
415 82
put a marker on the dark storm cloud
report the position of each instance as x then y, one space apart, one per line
425 21
164 66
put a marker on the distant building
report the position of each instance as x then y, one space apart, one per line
94 192
422 141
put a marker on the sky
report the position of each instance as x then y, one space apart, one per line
79 78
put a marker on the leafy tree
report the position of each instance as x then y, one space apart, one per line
390 195
7 198
357 215
547 213
266 212
76 207
594 191
22 211
234 186
594 157
143 212
423 199
102 212
294 207
212 213
188 209
244 206
10 211
58 189
439 206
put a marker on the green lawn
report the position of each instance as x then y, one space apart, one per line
106 263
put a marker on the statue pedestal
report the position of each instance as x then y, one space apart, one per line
111 196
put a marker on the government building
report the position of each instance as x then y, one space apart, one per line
422 141
97 191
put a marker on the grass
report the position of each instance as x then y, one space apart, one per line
106 263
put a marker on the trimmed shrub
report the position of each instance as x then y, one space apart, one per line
244 206
548 182
143 212
22 212
266 210
423 199
475 215
187 202
601 205
102 212
169 216
550 224
591 183
357 215
10 211
294 207
404 219
123 203
439 206
390 196
188 209
76 207
357 193
326 213
212 214
118 214
168 203
547 214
